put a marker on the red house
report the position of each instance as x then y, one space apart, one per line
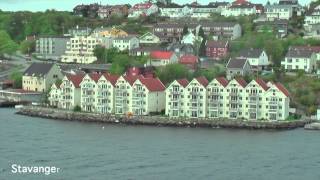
190 61
217 49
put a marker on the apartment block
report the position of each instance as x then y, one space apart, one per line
80 50
234 99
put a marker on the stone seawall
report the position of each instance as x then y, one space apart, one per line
51 113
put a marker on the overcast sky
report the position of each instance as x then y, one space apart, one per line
41 5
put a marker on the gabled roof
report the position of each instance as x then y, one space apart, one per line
262 83
282 89
131 79
188 59
38 69
76 79
223 81
183 82
111 78
250 53
152 84
242 82
95 76
236 63
294 53
202 80
161 54
146 34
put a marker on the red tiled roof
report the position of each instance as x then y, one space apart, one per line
242 82
262 83
240 2
188 59
161 54
131 79
202 80
183 82
142 6
153 84
95 76
223 81
282 89
76 79
111 78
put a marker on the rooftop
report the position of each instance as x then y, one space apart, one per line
38 69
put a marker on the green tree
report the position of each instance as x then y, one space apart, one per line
16 76
27 47
101 53
120 64
7 45
170 72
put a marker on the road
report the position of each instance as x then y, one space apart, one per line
18 63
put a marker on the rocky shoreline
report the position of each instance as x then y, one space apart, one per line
58 114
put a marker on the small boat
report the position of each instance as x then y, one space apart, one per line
19 106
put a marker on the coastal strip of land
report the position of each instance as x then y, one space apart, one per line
57 114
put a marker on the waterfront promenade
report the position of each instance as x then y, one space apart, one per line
58 114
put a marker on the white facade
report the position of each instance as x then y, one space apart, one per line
307 63
278 12
125 43
238 11
80 50
190 38
142 10
231 100
164 61
70 94
312 18
176 12
149 38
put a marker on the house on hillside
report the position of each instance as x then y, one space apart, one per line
162 58
258 58
238 67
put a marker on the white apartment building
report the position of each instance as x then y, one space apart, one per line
196 98
125 43
231 100
175 99
80 50
277 11
70 91
54 95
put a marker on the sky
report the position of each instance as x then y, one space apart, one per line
42 5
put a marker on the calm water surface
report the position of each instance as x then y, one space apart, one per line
86 151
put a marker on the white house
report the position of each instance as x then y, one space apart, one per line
190 38
162 58
149 38
125 43
300 59
238 67
257 58
176 11
142 9
277 11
